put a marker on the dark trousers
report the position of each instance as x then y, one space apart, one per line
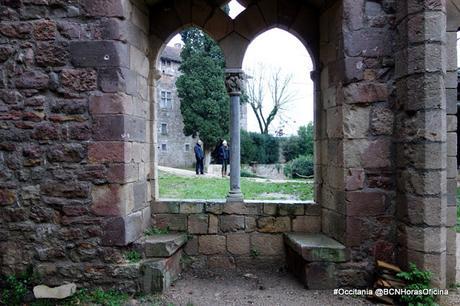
199 166
224 166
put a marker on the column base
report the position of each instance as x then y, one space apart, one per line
235 196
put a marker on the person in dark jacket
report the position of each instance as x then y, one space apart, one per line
199 155
224 157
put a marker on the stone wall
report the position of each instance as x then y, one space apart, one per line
225 235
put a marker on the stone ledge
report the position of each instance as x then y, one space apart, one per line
316 247
163 245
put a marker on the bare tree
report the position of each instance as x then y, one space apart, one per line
276 84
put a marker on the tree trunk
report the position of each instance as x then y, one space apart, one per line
207 160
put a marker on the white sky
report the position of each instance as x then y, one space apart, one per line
278 48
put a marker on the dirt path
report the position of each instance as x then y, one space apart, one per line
256 288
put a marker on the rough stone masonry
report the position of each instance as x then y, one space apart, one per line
78 166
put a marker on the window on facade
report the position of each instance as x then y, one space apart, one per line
164 147
187 147
165 99
164 129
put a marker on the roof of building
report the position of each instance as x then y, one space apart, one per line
172 53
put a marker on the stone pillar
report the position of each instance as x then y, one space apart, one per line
421 136
233 82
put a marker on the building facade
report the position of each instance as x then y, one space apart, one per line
174 148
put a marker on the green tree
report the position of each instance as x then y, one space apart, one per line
301 144
201 88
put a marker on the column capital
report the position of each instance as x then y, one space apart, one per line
234 81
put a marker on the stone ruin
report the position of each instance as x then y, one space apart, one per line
78 164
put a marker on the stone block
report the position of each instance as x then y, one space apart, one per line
354 179
198 224
51 54
365 203
121 231
451 144
44 30
436 263
321 275
139 62
191 208
250 224
112 200
99 54
163 245
191 248
306 224
267 244
211 244
355 121
312 209
110 104
100 152
274 224
103 8
365 92
213 227
174 222
32 80
159 207
232 223
240 209
238 244
79 79
422 210
316 247
270 209
215 208
429 239
158 274
291 209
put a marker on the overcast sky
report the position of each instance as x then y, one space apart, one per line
278 48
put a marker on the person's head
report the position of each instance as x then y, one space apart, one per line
224 143
200 142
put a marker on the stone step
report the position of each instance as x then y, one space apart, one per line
316 247
313 258
158 274
161 246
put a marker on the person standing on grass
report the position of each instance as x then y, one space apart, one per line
199 156
224 157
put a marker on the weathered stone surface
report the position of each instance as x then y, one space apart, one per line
48 54
191 208
79 79
61 292
238 244
158 274
240 209
274 224
211 244
306 224
33 80
198 224
105 8
231 223
316 247
221 262
99 54
163 245
174 222
267 244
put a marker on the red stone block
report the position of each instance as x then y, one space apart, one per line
100 152
360 203
44 30
51 54
104 8
106 200
79 79
354 179
19 30
366 92
110 104
78 131
46 131
377 154
7 197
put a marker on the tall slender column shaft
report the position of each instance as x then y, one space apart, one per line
233 82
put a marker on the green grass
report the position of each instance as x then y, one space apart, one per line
152 231
178 187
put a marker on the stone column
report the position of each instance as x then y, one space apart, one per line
233 82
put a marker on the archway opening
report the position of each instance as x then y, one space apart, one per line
278 142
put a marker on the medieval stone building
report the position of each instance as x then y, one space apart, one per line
174 148
78 132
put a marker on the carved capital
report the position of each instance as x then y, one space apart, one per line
234 81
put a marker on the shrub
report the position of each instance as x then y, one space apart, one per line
300 167
301 144
133 256
260 148
15 287
416 280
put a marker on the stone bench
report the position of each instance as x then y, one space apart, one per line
313 257
161 265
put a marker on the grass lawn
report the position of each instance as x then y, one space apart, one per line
178 187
